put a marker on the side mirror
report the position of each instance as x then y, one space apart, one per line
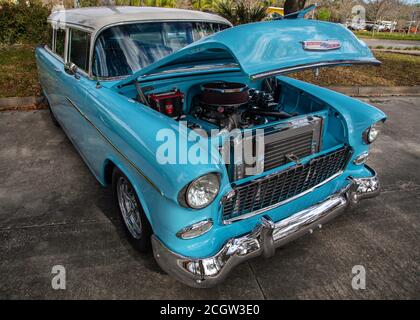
71 69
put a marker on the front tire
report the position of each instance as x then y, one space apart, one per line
132 215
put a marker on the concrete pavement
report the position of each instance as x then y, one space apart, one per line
53 212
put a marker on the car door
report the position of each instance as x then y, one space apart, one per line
50 61
80 115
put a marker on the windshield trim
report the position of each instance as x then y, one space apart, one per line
98 32
194 68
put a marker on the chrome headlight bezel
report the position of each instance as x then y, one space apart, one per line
371 134
184 199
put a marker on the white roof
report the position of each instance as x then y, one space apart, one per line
98 17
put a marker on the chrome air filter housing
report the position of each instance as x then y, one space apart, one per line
224 94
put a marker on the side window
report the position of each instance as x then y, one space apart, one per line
79 48
60 40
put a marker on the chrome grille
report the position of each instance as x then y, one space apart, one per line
297 138
279 187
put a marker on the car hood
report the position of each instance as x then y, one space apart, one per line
265 49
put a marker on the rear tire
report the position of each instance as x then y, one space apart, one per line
133 218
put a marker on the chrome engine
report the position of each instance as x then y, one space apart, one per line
231 105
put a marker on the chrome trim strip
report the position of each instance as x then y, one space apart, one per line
53 54
64 24
254 213
207 222
311 66
361 159
195 69
115 148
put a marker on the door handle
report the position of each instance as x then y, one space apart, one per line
57 70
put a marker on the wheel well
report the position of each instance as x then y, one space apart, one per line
108 171
109 168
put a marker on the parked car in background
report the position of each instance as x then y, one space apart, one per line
369 26
356 25
387 26
131 85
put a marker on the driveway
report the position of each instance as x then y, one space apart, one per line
53 212
400 44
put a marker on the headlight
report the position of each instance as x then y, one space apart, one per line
371 133
202 191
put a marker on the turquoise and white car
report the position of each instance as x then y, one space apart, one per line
129 85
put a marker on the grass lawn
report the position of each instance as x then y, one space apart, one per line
388 35
18 74
396 70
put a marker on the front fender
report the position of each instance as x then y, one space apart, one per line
134 131
357 115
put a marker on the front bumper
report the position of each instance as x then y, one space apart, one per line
264 239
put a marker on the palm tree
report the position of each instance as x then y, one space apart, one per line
160 3
239 12
226 8
204 5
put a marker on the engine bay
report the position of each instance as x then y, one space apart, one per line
232 105
295 123
223 105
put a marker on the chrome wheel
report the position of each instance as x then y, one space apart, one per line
129 207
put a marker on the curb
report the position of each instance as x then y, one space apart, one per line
18 103
15 103
405 52
377 91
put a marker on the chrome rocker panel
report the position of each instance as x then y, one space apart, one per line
264 239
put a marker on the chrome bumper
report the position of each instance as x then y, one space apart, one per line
263 240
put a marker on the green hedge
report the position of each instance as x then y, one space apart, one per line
23 22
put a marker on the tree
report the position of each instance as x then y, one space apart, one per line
344 9
377 10
240 11
204 5
324 14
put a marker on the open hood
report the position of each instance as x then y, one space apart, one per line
265 49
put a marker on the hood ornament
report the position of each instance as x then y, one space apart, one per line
321 45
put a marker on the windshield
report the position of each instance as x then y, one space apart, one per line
123 50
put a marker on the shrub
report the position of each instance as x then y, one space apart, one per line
23 22
324 14
239 12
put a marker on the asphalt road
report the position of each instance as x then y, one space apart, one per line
53 212
400 44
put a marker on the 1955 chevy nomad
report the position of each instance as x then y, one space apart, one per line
214 155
